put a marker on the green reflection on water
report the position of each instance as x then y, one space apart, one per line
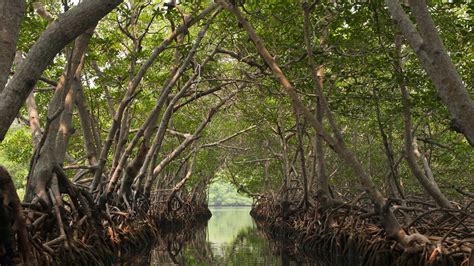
232 239
226 223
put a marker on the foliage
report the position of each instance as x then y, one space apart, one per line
222 193
15 154
354 42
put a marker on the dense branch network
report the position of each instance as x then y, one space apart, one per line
327 122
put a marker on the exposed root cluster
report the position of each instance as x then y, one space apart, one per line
350 234
79 234
168 246
174 213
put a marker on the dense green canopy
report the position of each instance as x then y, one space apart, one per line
300 100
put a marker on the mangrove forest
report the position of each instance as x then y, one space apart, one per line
236 132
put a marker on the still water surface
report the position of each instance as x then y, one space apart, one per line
230 238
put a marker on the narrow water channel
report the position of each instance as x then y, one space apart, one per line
231 237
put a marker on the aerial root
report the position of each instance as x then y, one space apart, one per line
65 226
345 234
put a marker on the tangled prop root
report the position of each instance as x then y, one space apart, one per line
89 237
351 235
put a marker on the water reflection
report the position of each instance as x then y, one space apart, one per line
230 238
235 240
228 227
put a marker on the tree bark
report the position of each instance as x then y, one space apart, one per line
133 84
317 75
389 221
33 116
42 168
11 13
9 197
411 150
86 123
65 124
432 54
58 34
188 141
53 151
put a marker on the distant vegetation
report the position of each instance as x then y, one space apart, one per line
222 193
15 153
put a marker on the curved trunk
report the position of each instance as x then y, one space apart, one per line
33 116
56 36
432 54
133 84
411 149
52 150
11 13
388 219
9 197
86 123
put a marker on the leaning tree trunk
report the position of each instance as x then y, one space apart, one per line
33 117
132 169
151 121
65 122
44 157
181 147
11 13
317 76
52 151
388 219
160 134
425 179
56 36
14 236
432 54
133 84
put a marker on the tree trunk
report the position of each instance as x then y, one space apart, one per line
299 134
317 76
133 84
432 54
11 13
154 149
53 150
86 123
286 161
45 154
77 61
65 126
9 197
147 129
393 178
56 36
429 184
389 221
33 116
